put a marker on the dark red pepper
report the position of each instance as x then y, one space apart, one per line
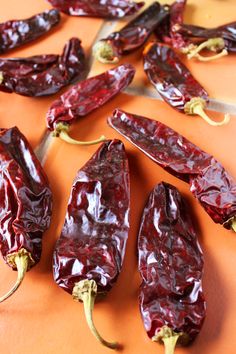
175 83
89 253
172 303
18 32
132 36
220 38
214 188
25 204
85 97
43 75
97 8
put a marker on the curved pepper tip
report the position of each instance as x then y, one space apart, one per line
62 130
86 291
196 107
21 260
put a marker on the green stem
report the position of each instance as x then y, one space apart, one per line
104 53
20 260
86 291
196 107
213 44
62 129
169 338
233 225
170 344
213 57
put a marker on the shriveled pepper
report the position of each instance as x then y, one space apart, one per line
25 204
174 82
18 32
85 97
209 182
222 38
172 303
97 8
89 253
130 37
43 75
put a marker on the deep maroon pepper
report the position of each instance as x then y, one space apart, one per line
171 300
43 75
18 32
132 36
97 8
209 182
175 83
89 253
85 97
219 38
25 204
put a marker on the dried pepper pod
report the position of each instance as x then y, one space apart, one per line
89 253
18 32
43 75
25 204
222 38
174 82
97 8
84 97
209 182
130 37
172 303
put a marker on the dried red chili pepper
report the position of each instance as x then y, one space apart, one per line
43 75
89 253
214 188
175 83
132 36
18 32
85 97
97 8
172 303
220 38
25 204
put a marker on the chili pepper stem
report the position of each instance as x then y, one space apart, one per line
196 107
62 132
21 261
104 53
233 225
86 291
212 44
1 77
169 338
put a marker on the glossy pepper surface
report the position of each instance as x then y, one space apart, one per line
43 75
18 32
25 203
97 8
86 96
130 37
209 182
172 303
89 253
174 82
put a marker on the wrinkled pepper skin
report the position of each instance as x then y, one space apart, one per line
97 8
94 235
25 197
134 34
18 32
227 32
171 266
43 75
209 182
89 94
171 78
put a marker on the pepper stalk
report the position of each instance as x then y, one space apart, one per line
104 52
169 338
62 130
86 291
21 261
197 105
212 44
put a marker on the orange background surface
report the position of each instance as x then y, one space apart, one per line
41 318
